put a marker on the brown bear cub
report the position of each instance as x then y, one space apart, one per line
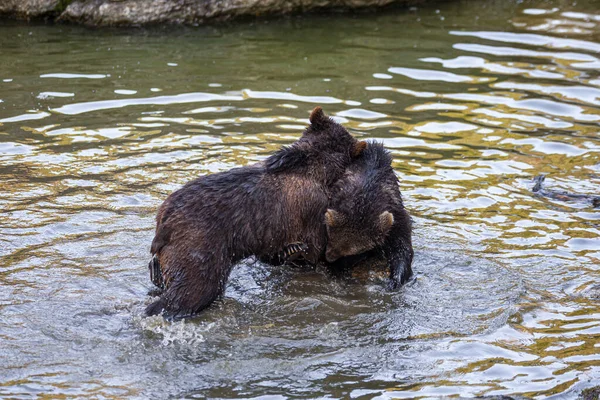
366 216
215 221
366 219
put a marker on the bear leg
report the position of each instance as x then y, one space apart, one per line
400 267
193 283
399 253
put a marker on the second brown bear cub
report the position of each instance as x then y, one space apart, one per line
366 219
214 221
366 215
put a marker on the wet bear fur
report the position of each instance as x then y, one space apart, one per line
215 221
366 216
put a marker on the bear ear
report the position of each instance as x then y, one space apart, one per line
358 148
317 117
333 218
386 220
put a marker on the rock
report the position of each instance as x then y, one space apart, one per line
373 270
30 9
592 393
539 190
189 12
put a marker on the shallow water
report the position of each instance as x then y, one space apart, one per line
474 98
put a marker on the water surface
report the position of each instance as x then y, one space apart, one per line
473 98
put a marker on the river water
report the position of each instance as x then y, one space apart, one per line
473 98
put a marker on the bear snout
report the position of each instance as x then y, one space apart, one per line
331 255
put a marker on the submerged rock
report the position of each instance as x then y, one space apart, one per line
373 270
592 393
189 12
540 190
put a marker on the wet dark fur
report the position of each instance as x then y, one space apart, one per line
368 189
214 221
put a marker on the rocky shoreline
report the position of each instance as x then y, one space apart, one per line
172 12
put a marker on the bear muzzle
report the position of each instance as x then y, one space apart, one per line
331 255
